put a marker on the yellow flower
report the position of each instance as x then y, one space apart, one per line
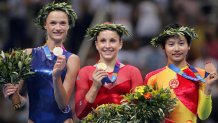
89 116
136 97
139 89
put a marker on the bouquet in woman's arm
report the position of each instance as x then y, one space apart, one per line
15 66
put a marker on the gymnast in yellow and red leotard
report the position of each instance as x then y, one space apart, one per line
191 86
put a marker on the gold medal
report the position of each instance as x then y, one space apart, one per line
101 65
58 51
174 83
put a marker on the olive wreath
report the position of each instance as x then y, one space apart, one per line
156 41
63 6
94 31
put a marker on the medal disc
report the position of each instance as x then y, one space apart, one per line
102 66
58 51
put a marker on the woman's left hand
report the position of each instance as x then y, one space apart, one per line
212 78
59 66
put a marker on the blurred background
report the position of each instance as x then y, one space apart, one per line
143 18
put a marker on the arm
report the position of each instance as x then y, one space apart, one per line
205 101
204 104
97 76
63 91
85 95
136 78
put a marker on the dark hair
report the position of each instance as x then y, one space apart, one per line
166 37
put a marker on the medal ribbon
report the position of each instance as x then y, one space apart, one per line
180 72
114 74
47 52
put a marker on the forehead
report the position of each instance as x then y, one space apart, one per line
177 38
57 15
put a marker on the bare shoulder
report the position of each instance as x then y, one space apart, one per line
73 59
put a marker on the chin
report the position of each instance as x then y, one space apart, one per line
58 38
108 57
178 60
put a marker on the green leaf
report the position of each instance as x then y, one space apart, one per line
13 68
20 65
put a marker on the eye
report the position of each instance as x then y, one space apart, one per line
113 40
63 23
102 40
52 22
181 43
170 44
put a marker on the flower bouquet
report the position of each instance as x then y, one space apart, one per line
14 67
146 104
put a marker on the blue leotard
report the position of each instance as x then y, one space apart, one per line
42 105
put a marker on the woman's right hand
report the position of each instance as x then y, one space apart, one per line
97 76
9 89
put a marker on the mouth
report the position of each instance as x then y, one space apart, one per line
108 51
177 54
57 33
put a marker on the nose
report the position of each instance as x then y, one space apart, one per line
107 44
57 26
176 48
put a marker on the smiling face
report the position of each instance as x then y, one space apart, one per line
176 49
57 26
108 44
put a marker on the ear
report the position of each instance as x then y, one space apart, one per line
121 44
68 27
189 48
96 45
45 25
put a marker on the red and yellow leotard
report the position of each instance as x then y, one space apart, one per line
191 100
127 79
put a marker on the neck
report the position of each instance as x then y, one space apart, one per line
179 64
52 44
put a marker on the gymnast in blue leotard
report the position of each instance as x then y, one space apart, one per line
50 89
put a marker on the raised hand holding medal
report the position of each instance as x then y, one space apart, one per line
114 75
101 72
60 62
212 77
210 69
